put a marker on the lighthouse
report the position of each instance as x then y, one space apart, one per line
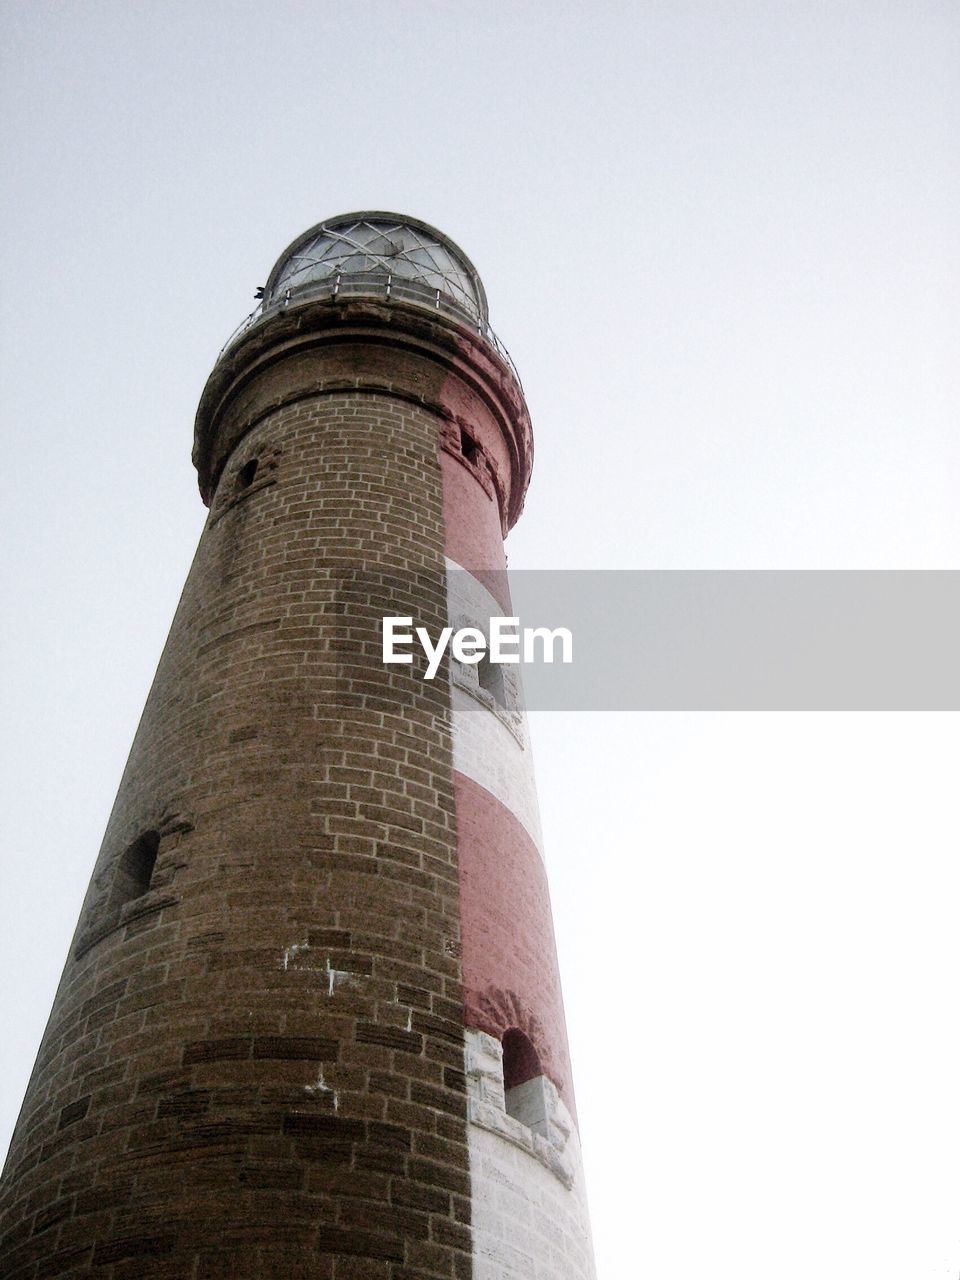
310 1022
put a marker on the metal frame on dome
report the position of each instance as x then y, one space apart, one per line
341 232
446 282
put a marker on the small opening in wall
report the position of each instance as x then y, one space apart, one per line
468 446
490 677
521 1061
135 868
247 473
525 1096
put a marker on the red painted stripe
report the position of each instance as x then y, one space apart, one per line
510 972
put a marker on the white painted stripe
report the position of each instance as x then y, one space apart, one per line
528 1202
491 743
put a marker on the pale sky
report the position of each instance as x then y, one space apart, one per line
721 242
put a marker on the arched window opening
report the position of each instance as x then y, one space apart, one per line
135 868
520 1059
525 1087
247 473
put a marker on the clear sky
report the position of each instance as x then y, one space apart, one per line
721 242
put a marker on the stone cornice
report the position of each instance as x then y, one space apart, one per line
230 406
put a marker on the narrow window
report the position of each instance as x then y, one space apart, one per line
525 1087
490 677
520 1059
468 446
247 473
135 868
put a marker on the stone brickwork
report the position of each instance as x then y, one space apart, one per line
492 753
257 1063
529 1209
491 743
510 973
530 1219
320 905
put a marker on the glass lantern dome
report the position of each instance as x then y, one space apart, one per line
383 255
379 255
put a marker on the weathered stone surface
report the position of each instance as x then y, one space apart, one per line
214 1055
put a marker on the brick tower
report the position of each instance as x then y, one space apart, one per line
310 1023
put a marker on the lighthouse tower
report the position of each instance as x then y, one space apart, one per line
310 1023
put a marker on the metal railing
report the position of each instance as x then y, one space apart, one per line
372 285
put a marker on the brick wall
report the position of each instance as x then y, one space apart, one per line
257 1064
256 1058
530 1219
